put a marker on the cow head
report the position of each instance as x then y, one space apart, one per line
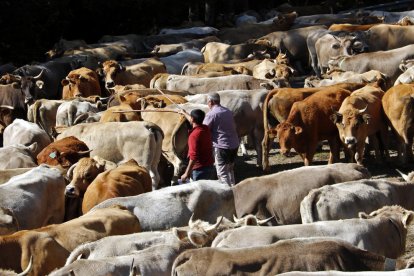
6 115
288 136
82 174
31 87
351 124
110 69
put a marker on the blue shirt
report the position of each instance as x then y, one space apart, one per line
223 129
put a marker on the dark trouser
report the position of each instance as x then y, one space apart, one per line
203 173
225 164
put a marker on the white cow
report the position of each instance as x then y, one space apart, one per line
25 133
35 198
18 156
122 141
68 112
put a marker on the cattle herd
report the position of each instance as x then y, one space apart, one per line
93 144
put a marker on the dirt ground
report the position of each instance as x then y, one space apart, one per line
246 165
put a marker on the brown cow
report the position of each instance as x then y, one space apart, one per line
160 101
308 123
313 254
128 179
64 152
277 106
346 27
82 82
398 104
51 245
140 73
361 116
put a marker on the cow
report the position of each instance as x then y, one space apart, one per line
193 30
173 206
339 76
84 172
17 156
114 73
288 188
82 82
25 133
68 112
309 121
398 107
388 226
52 244
205 85
346 27
252 31
170 49
292 43
345 200
35 198
218 52
128 179
408 73
336 44
241 67
64 152
63 45
387 62
161 247
43 112
12 104
246 106
277 106
361 116
283 256
112 114
136 140
271 69
383 37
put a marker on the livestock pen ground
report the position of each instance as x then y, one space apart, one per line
246 165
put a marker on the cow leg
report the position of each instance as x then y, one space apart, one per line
334 147
359 152
243 142
385 142
257 136
265 151
373 139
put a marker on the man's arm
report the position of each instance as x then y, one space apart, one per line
186 174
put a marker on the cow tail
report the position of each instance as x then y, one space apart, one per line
81 252
308 206
408 114
182 121
265 142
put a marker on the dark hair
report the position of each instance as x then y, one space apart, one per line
198 116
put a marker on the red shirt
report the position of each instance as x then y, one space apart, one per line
200 147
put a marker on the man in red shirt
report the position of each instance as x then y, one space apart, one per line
200 148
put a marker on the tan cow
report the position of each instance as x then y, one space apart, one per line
140 73
82 82
359 117
51 245
313 254
398 104
308 123
222 52
128 179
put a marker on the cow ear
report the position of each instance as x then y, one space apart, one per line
336 117
363 215
64 82
162 104
180 234
16 85
298 130
33 147
39 84
197 239
366 118
122 99
251 220
99 72
407 219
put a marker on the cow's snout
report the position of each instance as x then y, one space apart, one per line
110 84
71 191
350 140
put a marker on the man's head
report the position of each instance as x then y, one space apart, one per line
213 98
197 116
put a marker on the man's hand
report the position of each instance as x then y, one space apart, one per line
184 177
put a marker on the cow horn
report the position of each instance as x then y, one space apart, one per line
403 175
236 220
214 227
28 268
7 106
191 222
363 110
40 74
69 174
131 269
84 152
263 221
